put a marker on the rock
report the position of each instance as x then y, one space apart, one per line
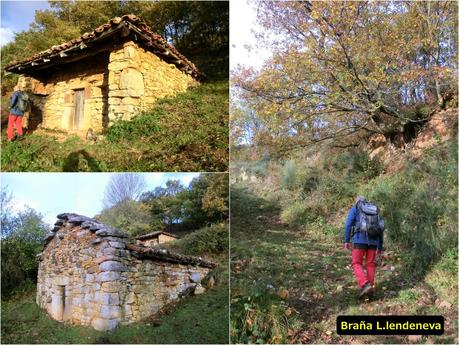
106 231
112 266
195 277
49 299
108 276
199 290
119 245
107 258
49 237
61 236
132 80
95 227
96 241
107 298
210 282
110 312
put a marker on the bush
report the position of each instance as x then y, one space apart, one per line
288 175
212 239
420 206
261 318
260 167
142 125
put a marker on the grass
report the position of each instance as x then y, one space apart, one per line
201 319
207 240
188 132
308 277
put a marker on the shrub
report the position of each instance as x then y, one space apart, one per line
420 206
142 125
261 318
288 175
212 239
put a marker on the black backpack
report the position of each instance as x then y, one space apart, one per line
370 220
23 103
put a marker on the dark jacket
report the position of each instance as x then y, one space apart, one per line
359 237
14 103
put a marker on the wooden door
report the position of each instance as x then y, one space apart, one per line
79 110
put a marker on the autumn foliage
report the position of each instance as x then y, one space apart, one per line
343 70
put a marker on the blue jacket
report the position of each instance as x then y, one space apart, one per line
358 237
14 102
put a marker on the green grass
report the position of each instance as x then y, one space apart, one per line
198 319
188 132
212 239
269 255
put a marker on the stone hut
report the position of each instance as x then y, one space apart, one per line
90 275
155 238
114 72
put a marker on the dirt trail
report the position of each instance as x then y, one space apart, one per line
316 273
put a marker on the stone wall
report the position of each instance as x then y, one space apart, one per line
137 78
54 94
89 275
117 85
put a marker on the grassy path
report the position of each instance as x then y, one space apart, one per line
308 275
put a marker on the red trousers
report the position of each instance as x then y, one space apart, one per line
357 265
14 121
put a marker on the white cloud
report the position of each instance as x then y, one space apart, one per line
6 35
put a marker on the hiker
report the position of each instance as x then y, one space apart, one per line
367 241
19 105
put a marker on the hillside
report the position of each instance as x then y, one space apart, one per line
184 133
290 275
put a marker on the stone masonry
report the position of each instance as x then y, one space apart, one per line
121 69
90 275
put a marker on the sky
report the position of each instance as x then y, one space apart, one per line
243 20
16 16
82 193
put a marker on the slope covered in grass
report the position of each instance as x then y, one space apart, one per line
290 276
188 132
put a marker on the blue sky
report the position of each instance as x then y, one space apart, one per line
16 16
82 193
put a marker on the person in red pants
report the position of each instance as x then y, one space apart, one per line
363 248
16 115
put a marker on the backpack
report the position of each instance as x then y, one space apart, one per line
370 220
23 103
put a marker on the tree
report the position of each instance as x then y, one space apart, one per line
122 187
20 245
132 217
6 210
343 70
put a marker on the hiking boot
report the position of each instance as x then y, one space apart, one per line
365 289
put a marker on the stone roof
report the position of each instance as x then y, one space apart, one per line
130 24
155 234
163 254
140 252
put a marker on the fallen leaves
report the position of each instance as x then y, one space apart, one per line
283 293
